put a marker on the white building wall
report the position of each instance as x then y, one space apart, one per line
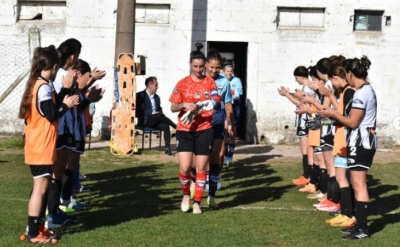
273 52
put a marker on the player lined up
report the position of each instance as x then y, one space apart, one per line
53 107
343 112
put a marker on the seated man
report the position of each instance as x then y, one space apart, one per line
149 111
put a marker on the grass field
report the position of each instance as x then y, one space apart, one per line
134 202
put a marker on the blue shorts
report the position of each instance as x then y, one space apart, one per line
341 161
219 117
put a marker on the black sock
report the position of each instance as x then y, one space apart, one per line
361 214
68 185
33 226
306 168
54 195
323 180
335 190
193 174
346 202
314 174
213 179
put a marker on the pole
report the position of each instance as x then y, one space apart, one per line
125 33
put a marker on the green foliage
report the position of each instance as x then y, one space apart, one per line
135 201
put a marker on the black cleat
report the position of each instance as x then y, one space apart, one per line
357 234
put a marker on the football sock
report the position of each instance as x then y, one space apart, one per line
306 168
200 184
185 184
33 226
67 188
346 202
54 195
323 180
361 214
213 179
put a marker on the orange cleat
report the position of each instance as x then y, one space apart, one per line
301 181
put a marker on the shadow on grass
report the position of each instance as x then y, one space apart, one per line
252 149
252 179
381 205
124 195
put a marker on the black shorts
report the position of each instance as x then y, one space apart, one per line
302 131
359 158
65 141
317 150
199 143
39 171
219 131
327 141
80 147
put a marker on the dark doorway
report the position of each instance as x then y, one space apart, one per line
239 52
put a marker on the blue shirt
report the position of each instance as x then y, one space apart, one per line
236 87
224 90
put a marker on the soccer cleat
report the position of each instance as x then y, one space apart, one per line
46 232
345 222
310 188
323 198
301 181
196 208
323 203
66 209
41 239
57 220
211 202
74 204
348 230
339 211
316 195
81 189
82 177
335 219
357 234
66 216
185 204
192 189
329 208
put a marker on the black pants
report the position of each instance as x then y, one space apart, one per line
161 122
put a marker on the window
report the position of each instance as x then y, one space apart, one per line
152 13
301 17
366 20
50 10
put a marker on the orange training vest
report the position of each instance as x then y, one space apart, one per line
40 134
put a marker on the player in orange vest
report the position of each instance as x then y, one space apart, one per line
40 112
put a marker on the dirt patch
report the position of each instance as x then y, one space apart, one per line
254 153
249 154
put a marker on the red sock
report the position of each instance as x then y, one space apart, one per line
200 184
185 183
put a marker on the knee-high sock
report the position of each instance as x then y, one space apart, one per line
200 184
346 202
314 174
213 179
185 183
67 188
33 226
323 180
335 190
306 170
54 195
361 214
